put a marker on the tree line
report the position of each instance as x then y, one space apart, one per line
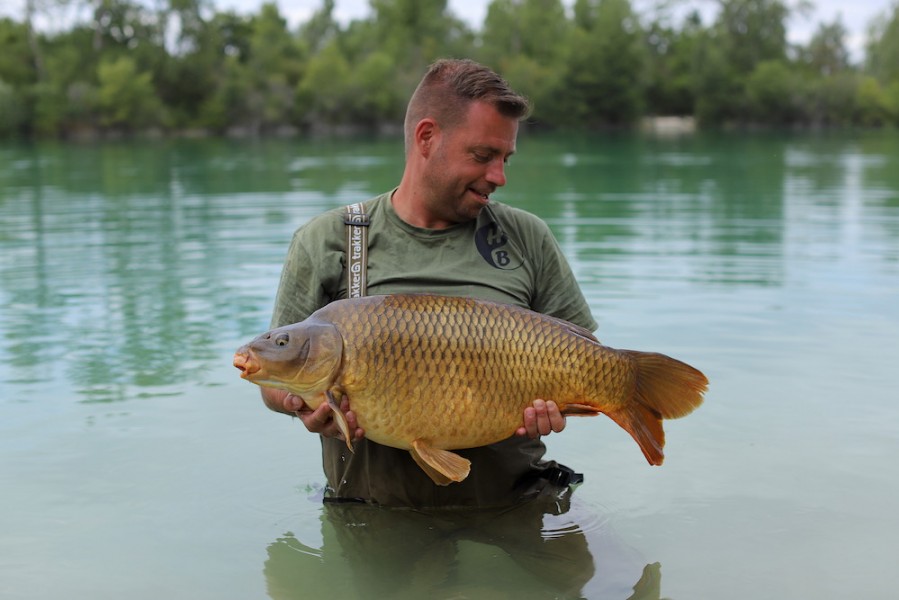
180 66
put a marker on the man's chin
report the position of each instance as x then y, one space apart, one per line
471 211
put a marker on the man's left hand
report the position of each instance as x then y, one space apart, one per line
541 418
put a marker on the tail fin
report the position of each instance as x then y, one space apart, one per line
666 389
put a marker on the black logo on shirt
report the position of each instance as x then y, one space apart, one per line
493 245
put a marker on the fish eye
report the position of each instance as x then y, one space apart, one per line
282 339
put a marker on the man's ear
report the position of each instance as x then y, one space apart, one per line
426 134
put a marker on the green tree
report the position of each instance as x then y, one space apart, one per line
48 117
273 49
374 103
126 98
132 64
671 88
13 115
227 41
37 55
324 95
66 99
124 26
605 77
17 77
883 47
830 91
276 64
745 34
752 31
536 29
413 33
832 100
826 53
227 104
528 42
321 28
719 94
892 98
185 75
874 105
773 93
16 66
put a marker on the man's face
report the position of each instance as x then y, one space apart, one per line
468 163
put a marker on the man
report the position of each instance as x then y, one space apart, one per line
439 232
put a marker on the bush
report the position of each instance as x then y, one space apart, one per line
873 105
772 93
126 98
13 115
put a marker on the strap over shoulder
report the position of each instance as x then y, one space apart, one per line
356 249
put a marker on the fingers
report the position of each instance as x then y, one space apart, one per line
293 403
318 420
321 420
351 422
555 416
542 425
281 400
542 418
353 425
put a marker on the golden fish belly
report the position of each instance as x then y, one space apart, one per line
459 373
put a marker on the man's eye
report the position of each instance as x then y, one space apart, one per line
482 158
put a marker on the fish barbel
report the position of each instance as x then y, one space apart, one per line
432 374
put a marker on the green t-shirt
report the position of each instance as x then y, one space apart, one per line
505 255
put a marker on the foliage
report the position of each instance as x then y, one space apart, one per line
883 47
772 93
826 53
719 96
752 31
527 41
603 81
16 61
133 65
671 89
874 105
125 96
831 101
12 111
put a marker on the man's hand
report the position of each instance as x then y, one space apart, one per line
320 420
541 419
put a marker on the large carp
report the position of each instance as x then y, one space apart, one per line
432 374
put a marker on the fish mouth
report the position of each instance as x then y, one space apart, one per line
246 362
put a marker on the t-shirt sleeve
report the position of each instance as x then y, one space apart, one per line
312 269
556 291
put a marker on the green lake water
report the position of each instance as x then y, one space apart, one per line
134 463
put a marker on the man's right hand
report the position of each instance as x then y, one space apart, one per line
319 420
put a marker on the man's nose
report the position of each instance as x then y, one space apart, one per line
496 173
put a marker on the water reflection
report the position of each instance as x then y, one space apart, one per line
548 548
140 262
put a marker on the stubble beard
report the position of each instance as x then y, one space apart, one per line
448 203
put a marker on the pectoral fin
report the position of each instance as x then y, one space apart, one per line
340 419
442 466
